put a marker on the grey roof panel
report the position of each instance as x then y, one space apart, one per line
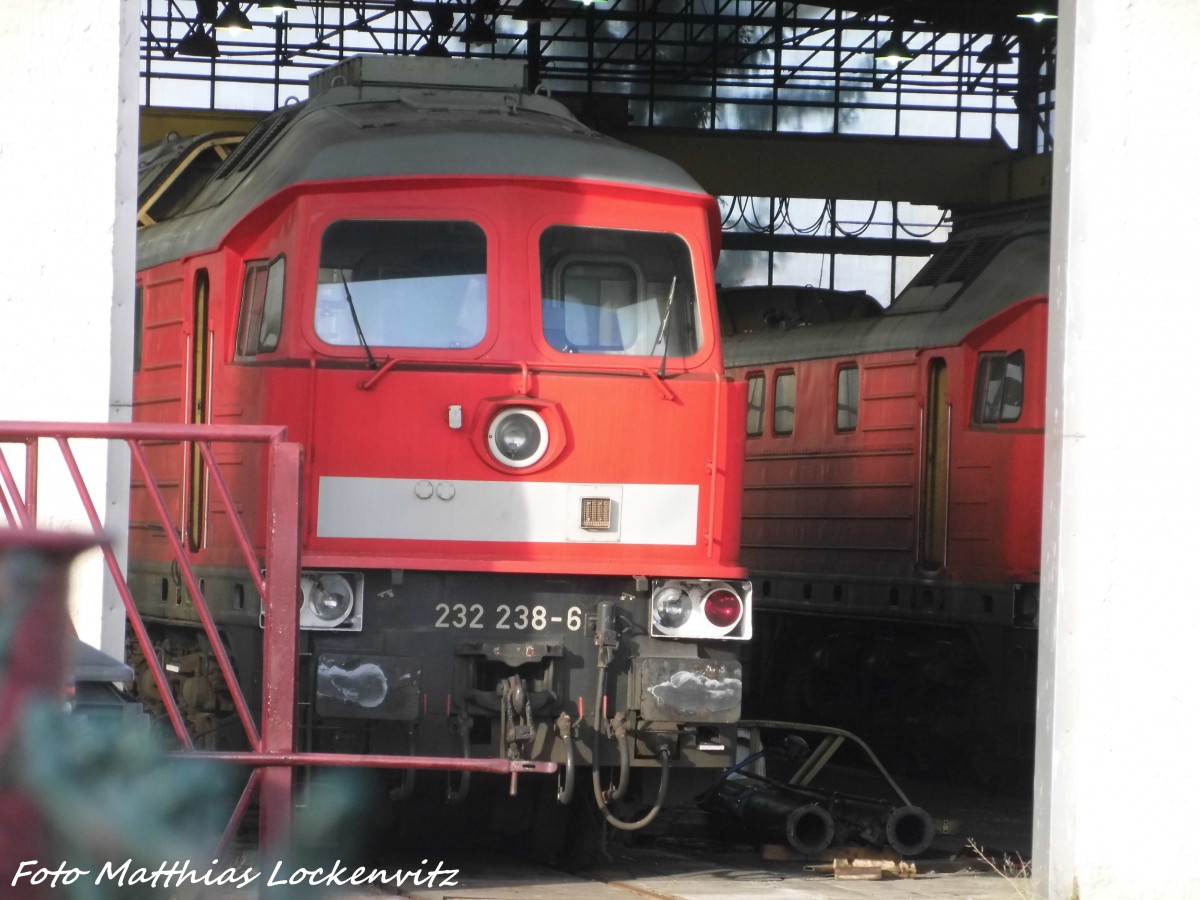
1019 268
373 131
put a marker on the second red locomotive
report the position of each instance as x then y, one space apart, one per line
892 515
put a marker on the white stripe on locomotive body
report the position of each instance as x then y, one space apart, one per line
536 512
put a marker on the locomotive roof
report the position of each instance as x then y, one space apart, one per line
978 273
386 116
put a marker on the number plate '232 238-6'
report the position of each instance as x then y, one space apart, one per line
505 617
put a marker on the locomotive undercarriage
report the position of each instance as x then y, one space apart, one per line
455 664
938 678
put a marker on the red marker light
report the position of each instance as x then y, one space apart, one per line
723 608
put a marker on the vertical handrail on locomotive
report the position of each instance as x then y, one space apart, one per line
274 747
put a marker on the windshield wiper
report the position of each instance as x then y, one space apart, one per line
662 328
354 315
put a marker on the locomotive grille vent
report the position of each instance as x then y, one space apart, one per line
257 143
595 513
978 255
961 263
936 269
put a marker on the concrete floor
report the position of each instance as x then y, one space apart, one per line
673 874
697 864
998 824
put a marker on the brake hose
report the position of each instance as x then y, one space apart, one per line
601 795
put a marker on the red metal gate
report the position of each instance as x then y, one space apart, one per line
276 577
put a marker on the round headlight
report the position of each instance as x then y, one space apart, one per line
672 606
518 437
331 598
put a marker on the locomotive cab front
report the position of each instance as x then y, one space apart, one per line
522 459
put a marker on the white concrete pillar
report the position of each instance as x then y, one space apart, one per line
68 179
1117 787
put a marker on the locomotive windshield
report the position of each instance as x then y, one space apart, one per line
410 284
629 293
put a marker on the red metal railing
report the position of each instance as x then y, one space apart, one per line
276 577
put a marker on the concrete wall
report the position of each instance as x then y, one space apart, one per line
68 160
1117 785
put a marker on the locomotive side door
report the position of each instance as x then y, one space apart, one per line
935 469
199 361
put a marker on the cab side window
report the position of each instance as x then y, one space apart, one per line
261 319
999 387
754 404
847 398
784 417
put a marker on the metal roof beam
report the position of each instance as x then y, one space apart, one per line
813 243
929 171
932 171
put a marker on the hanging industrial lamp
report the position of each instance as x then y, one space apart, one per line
278 7
233 20
199 43
1039 10
894 50
478 31
995 53
432 48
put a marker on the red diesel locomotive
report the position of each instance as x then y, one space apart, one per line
494 333
892 513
